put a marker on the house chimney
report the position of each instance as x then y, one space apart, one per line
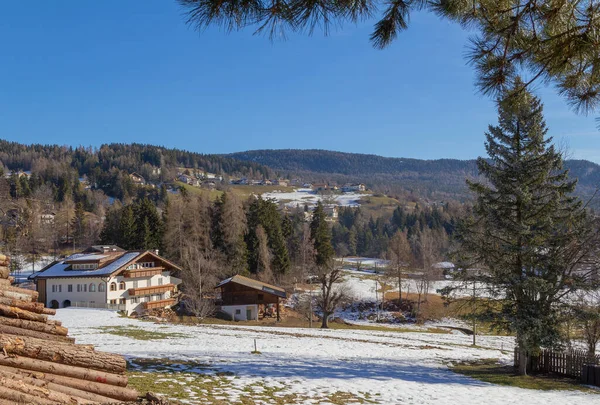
156 252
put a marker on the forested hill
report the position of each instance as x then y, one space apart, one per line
433 178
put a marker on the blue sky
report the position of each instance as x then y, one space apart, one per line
87 73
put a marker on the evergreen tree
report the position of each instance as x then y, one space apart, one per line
321 236
79 225
229 229
127 234
527 235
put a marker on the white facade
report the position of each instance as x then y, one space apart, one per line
65 292
241 312
98 292
127 281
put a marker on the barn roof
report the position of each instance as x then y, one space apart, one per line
255 284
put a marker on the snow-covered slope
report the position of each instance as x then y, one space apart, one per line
381 367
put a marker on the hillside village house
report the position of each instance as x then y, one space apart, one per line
109 277
349 188
137 178
245 299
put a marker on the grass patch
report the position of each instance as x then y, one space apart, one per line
134 332
296 322
184 387
490 371
212 194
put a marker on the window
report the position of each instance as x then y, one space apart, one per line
92 287
134 300
238 311
160 281
78 287
101 287
84 266
122 285
113 301
149 282
113 286
122 301
70 288
135 284
53 288
85 288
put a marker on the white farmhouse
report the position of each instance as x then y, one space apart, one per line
109 277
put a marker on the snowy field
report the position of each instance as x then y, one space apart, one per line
307 196
305 366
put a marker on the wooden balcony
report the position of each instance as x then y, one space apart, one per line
159 304
143 272
156 289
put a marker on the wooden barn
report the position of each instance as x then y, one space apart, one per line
245 299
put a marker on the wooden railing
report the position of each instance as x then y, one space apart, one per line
158 304
143 272
569 363
158 289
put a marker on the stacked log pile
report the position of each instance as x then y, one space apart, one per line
40 364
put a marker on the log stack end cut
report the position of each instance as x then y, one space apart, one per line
41 365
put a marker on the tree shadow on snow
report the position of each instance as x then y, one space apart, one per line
374 369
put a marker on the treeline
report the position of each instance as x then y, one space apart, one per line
256 237
107 168
355 234
410 179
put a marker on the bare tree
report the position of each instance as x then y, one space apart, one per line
401 257
265 273
333 293
200 275
587 315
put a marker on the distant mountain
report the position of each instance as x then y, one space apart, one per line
439 178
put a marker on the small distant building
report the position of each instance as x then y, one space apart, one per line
187 179
331 211
280 182
354 188
156 171
245 299
137 178
320 186
211 185
106 276
267 183
47 217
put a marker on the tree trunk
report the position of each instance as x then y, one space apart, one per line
11 330
30 394
34 326
34 294
325 322
72 355
39 382
523 360
4 272
42 390
18 397
103 390
36 307
15 295
13 312
81 373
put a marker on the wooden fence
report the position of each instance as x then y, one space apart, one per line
568 363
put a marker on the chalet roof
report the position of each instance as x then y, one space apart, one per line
255 284
62 268
103 249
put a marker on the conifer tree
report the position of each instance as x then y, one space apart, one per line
79 224
528 233
127 235
321 236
